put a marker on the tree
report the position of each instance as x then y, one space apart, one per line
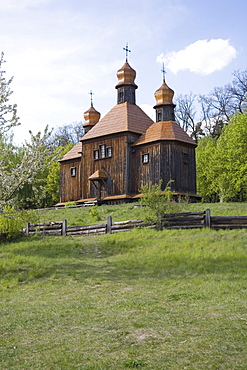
8 112
70 133
185 115
207 185
34 160
53 177
231 159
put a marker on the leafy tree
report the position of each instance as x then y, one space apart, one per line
231 159
206 169
8 112
15 176
53 177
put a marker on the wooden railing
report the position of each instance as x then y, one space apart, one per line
186 220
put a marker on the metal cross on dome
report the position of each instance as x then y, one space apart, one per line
127 51
91 94
163 71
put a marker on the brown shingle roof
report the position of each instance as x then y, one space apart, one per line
75 152
166 130
121 118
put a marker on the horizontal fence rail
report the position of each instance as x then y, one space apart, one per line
186 220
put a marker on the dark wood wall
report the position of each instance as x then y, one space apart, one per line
117 167
70 186
167 161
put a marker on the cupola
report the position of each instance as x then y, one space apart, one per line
126 82
164 105
91 116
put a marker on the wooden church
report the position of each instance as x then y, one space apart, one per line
126 149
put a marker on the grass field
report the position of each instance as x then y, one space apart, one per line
81 216
139 299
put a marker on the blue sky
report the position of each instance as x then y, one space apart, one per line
59 50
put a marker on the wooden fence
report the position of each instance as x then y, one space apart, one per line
186 220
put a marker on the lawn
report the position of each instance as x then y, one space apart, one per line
131 211
139 299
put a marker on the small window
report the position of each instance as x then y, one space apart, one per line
159 117
96 154
73 171
102 151
109 151
145 158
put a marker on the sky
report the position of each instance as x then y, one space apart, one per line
60 50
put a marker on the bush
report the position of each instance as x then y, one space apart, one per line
12 222
157 201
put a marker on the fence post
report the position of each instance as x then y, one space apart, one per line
27 228
207 218
64 227
109 225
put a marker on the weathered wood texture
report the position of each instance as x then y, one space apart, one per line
47 228
117 167
70 186
167 161
188 220
229 222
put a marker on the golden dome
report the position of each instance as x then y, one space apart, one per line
164 95
126 75
91 117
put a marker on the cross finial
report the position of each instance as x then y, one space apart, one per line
91 93
127 51
163 71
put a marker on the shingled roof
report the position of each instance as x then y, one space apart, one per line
121 118
165 130
74 153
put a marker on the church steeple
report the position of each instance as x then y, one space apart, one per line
91 116
126 82
164 105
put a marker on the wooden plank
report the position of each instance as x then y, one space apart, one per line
127 222
85 227
183 214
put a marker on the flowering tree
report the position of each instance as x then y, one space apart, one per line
18 170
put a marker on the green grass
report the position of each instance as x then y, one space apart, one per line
139 299
81 216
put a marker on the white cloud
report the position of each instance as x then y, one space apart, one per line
203 57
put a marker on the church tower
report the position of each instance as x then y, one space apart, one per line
164 105
126 82
91 116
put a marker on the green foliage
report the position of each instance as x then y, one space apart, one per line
94 214
206 169
222 163
70 204
12 221
157 201
53 177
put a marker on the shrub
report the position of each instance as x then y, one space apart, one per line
12 222
157 201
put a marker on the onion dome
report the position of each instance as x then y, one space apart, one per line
91 117
164 95
126 75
